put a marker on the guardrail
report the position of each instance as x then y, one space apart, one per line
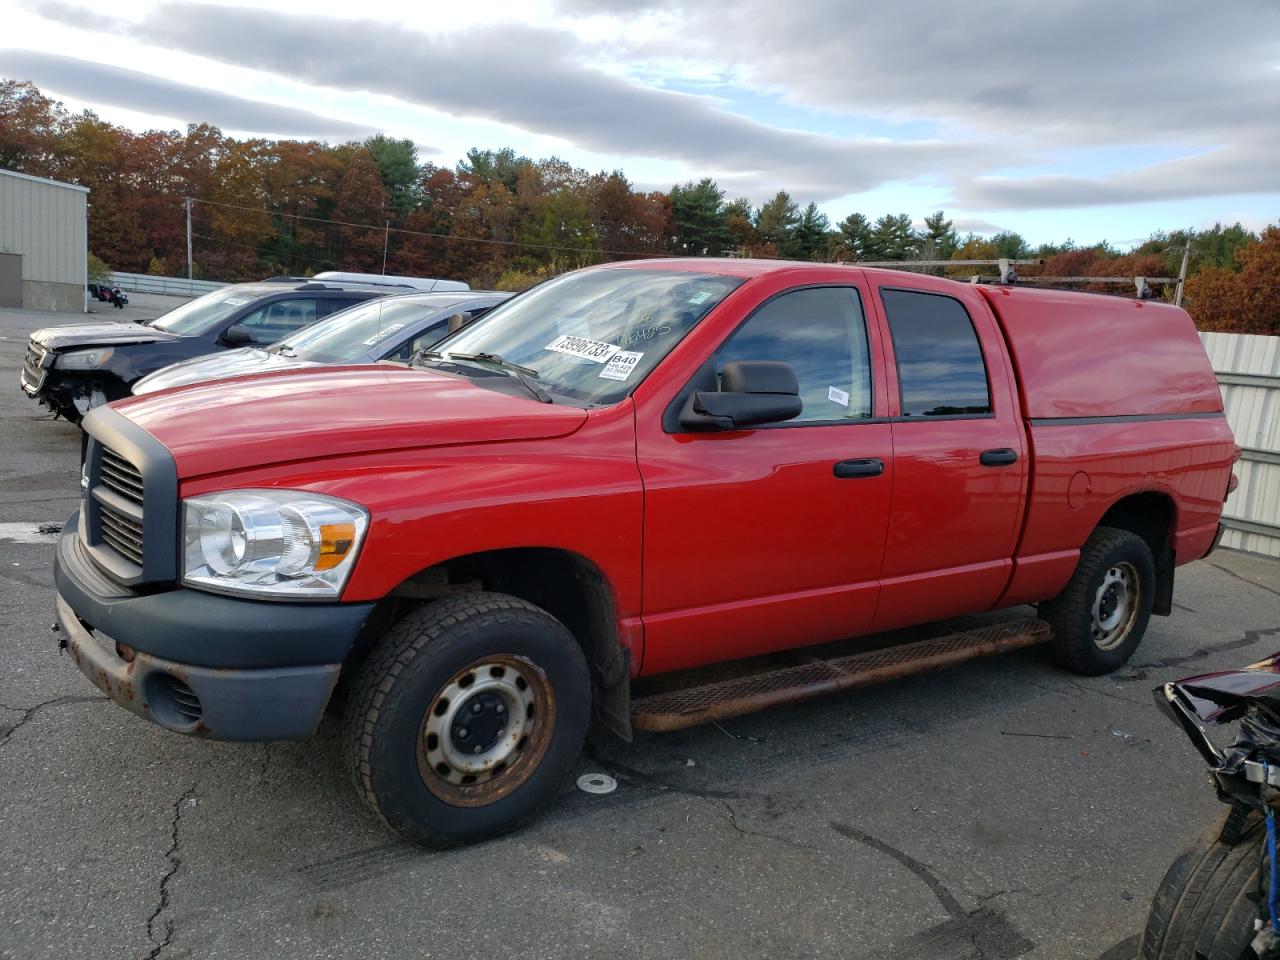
1248 369
167 286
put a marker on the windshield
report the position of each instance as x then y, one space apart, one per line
204 313
349 335
593 335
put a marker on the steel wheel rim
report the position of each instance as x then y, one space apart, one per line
485 731
1115 606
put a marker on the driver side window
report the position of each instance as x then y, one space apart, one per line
277 320
821 332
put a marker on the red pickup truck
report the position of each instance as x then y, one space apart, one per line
633 469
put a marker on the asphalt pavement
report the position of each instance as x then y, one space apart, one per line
999 809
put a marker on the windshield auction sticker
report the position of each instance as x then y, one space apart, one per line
383 334
597 351
621 365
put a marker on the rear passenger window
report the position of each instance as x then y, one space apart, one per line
822 334
940 368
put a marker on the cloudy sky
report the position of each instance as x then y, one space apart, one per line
1080 119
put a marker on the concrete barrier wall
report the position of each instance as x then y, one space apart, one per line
169 286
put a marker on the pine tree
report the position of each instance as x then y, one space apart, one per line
809 241
941 232
855 235
701 222
397 162
776 223
892 238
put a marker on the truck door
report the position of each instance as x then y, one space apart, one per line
761 539
959 458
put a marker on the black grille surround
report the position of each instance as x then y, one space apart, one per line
129 476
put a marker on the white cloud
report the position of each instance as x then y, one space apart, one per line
1007 84
161 97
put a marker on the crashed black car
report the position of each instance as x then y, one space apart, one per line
1220 899
72 369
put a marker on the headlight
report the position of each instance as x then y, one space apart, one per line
275 543
83 359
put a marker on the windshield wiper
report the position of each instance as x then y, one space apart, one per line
521 373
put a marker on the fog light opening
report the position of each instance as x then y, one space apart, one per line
173 704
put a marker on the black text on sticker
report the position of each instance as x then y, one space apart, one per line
596 351
621 365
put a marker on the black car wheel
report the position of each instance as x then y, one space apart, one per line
1206 904
1100 617
467 718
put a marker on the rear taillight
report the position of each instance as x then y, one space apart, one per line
1231 485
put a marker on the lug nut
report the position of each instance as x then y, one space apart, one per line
478 749
476 707
500 708
461 733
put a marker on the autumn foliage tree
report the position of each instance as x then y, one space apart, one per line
1246 300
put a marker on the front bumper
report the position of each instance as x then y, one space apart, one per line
199 663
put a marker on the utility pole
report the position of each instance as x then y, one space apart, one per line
188 205
386 239
1182 272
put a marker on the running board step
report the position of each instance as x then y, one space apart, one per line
679 709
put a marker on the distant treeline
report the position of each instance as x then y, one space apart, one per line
498 219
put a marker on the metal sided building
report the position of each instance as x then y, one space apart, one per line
44 243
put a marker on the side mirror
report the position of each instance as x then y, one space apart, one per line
237 336
751 393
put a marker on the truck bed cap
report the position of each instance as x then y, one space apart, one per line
1092 355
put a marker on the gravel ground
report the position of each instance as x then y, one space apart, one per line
998 809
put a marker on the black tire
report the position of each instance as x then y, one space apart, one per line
1205 906
397 694
1072 615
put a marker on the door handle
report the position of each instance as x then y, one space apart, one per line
998 458
850 469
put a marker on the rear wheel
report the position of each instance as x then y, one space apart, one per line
1205 906
467 718
1100 617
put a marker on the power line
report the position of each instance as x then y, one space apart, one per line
265 250
423 233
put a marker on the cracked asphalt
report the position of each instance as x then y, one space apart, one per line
999 809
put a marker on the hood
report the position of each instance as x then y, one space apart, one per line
327 411
75 335
1222 697
217 366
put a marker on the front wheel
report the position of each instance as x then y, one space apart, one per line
1101 615
467 718
1205 906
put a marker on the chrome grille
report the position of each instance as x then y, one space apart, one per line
121 476
33 371
120 531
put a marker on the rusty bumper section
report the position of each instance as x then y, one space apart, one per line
280 703
741 695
